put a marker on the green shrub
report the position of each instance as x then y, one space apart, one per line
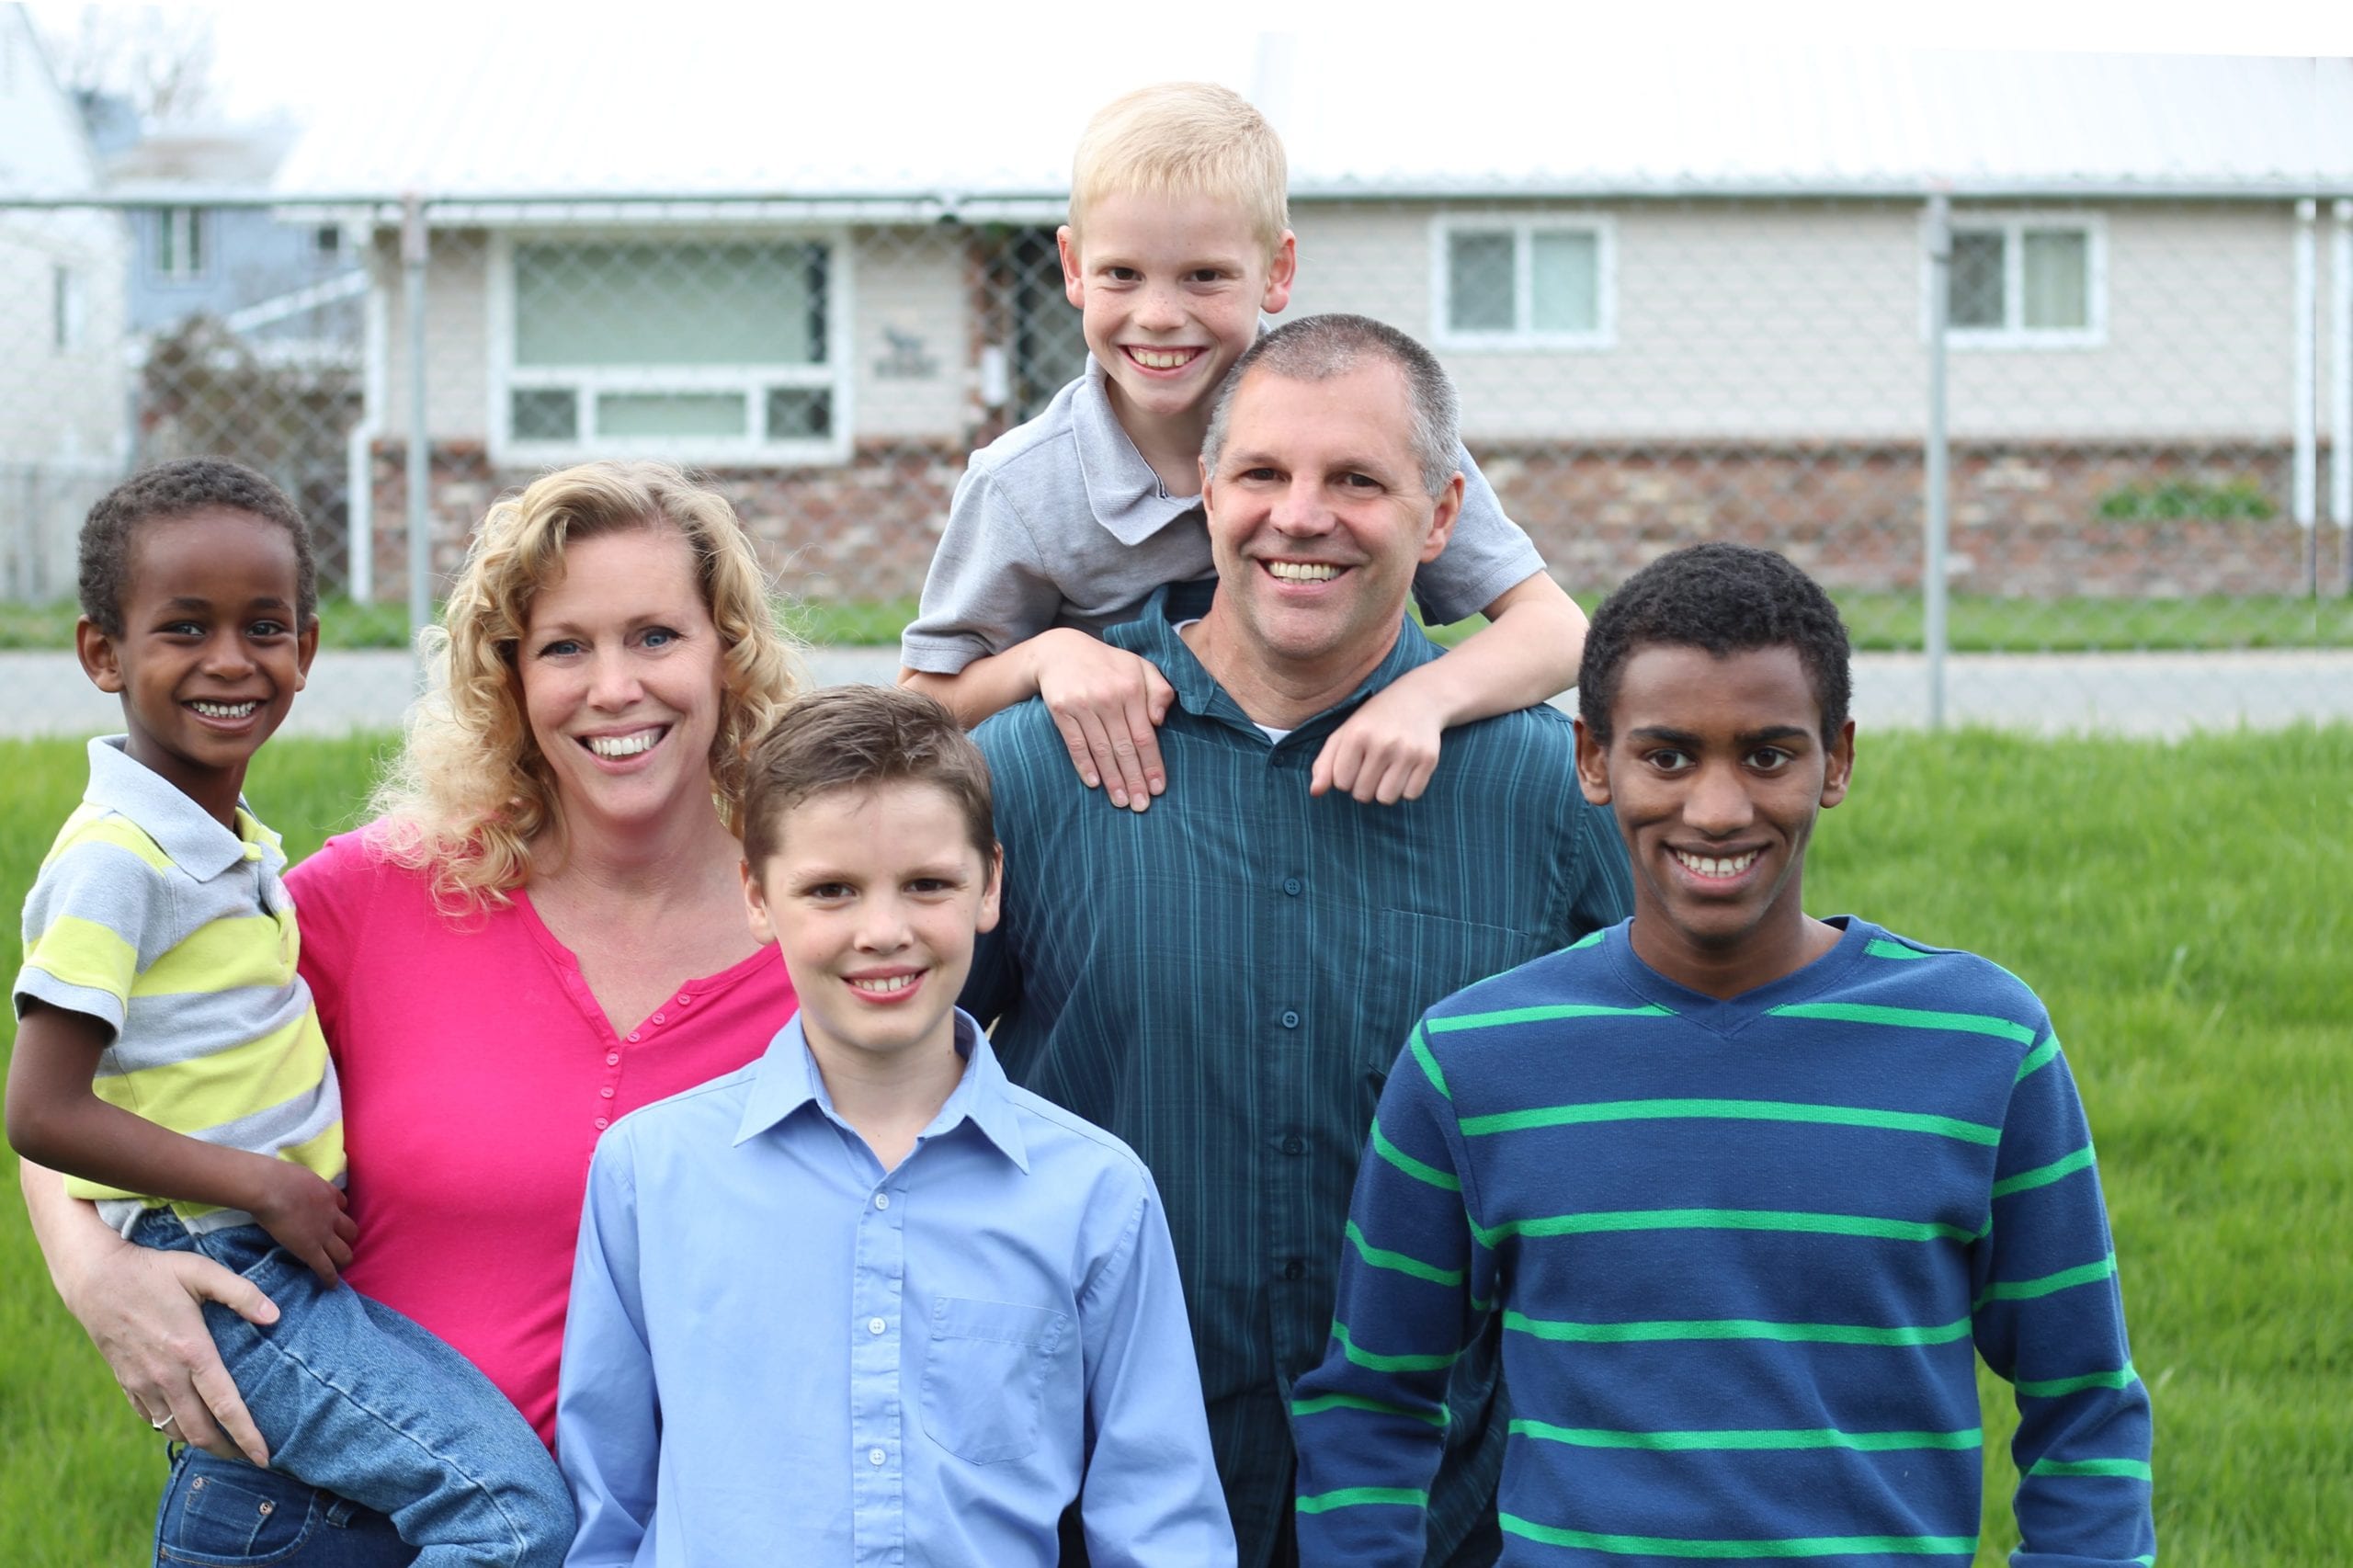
2170 500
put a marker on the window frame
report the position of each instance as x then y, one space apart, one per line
836 376
1524 227
2013 226
194 239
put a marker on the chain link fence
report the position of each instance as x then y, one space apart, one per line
2136 414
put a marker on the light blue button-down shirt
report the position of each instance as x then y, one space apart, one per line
777 1351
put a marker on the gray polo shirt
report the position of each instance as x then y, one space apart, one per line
154 919
1061 522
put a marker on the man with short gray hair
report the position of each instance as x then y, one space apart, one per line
1224 980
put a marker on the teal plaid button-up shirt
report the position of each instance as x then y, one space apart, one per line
1224 979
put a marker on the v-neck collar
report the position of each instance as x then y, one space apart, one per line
1727 1015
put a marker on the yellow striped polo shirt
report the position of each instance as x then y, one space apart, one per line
154 919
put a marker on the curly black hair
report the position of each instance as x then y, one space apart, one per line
1726 598
168 491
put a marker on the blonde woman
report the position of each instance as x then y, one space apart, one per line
542 929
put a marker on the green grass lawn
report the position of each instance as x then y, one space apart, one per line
1980 623
1879 622
2181 907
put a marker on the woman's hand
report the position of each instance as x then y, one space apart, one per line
142 1309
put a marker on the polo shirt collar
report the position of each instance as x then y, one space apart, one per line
196 843
786 1079
1154 635
1122 492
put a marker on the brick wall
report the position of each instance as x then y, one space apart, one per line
2026 519
862 530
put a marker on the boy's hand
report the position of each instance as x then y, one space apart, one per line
304 1213
1106 701
1386 752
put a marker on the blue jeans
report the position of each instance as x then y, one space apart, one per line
225 1514
358 1402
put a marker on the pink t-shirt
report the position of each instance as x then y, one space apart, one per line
477 1071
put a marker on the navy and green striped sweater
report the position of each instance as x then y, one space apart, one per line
1742 1252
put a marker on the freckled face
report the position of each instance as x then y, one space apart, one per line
1716 770
1169 291
873 897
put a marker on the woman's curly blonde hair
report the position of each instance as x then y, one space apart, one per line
471 796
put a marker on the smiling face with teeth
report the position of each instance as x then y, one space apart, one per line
619 668
1318 518
874 894
1716 769
1170 290
211 654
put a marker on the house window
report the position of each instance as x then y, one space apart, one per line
1524 283
327 242
694 348
179 244
2026 281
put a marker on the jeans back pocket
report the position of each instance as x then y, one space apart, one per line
222 1514
984 1376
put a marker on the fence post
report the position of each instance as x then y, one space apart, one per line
2340 434
2304 390
24 584
420 532
1938 236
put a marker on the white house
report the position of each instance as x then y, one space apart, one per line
1681 293
63 391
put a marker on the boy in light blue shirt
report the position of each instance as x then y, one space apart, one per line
1178 239
865 1301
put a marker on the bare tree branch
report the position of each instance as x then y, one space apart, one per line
160 58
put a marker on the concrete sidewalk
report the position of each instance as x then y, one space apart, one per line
2137 694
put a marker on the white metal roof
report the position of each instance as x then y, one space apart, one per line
777 106
199 157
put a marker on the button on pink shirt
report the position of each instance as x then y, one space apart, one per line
477 1071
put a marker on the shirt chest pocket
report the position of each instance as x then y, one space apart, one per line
984 1376
1420 960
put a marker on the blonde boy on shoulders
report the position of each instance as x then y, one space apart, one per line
1179 240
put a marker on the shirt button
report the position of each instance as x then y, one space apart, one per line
1292 886
632 1035
1291 1019
1294 1144
612 1059
882 1200
658 1018
686 1001
875 1455
606 1092
875 1325
1294 1269
602 1123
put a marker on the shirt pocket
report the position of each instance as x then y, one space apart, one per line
1424 959
984 1376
